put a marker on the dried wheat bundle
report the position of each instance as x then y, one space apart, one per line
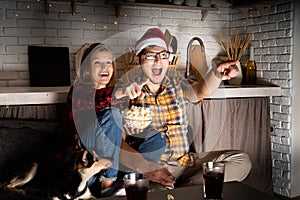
235 47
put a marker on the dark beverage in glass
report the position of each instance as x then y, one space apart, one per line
136 186
134 192
213 178
213 185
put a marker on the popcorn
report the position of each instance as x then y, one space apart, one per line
137 117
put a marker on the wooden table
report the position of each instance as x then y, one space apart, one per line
231 191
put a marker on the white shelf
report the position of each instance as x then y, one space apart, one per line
73 4
120 4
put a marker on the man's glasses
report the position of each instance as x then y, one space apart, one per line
152 55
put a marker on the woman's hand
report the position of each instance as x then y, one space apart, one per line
132 131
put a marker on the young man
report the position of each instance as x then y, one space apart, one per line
167 93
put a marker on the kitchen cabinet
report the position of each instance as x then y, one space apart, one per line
236 123
119 4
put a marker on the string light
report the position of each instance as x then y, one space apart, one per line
104 27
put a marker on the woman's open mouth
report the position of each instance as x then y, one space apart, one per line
104 74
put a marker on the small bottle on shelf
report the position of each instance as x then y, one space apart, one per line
251 69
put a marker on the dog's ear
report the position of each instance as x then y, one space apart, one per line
95 156
84 158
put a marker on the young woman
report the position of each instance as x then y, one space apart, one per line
91 114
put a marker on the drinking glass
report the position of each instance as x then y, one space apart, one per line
136 186
213 178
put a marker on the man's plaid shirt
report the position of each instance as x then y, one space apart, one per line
170 118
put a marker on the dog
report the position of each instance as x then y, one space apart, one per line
63 182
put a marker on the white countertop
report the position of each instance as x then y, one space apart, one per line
237 91
54 95
33 95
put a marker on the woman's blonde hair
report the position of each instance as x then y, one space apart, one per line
86 64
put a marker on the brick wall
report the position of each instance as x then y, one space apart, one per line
24 22
272 38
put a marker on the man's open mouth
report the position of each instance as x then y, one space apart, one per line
156 71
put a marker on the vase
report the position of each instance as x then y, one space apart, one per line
205 3
177 2
191 2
